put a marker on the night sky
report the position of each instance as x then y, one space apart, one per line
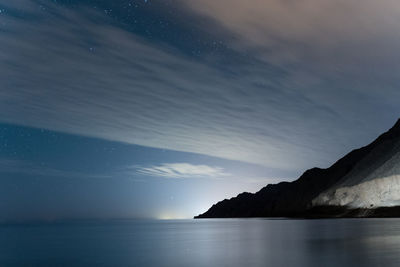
160 108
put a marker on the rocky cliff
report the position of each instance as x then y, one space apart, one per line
365 182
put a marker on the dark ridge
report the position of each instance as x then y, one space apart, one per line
293 199
343 212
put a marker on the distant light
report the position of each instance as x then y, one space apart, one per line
171 216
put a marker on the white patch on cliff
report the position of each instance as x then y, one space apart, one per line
382 192
379 188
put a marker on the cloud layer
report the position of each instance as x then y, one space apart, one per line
339 35
181 170
74 71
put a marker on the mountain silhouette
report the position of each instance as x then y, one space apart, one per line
364 183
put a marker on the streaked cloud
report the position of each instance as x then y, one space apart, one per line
340 35
342 54
74 71
181 171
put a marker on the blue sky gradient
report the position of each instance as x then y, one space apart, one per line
46 175
140 108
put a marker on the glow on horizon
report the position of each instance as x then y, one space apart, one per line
171 216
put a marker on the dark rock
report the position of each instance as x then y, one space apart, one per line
293 199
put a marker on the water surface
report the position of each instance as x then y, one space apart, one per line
218 242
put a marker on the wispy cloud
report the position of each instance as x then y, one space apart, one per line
74 71
340 35
181 171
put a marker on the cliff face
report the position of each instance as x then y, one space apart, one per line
365 178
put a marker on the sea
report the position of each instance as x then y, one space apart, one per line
204 242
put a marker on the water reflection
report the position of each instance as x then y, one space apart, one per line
232 242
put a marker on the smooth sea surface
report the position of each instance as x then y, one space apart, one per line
217 242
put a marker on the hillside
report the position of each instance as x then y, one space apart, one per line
365 182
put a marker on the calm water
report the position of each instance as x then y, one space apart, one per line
231 242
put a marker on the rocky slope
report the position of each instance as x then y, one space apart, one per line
365 183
